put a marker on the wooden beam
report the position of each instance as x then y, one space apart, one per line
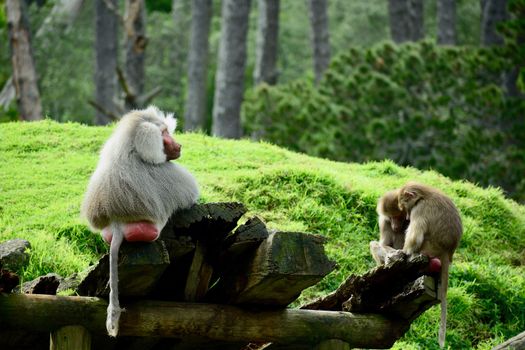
141 265
199 275
214 322
70 337
280 269
333 344
370 291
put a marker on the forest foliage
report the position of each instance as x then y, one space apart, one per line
418 104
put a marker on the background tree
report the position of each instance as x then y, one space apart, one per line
135 44
195 111
416 19
320 36
229 78
24 72
397 15
406 19
493 12
267 42
446 15
60 19
106 52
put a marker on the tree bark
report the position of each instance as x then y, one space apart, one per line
199 320
135 43
62 16
267 42
515 343
493 12
320 35
416 19
195 111
446 13
106 52
229 79
406 20
398 18
24 72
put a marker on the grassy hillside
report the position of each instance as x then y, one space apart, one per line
45 166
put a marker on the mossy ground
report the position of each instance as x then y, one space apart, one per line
45 166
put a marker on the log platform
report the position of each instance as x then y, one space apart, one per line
217 280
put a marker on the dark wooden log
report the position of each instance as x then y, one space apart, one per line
332 344
187 320
246 238
70 337
8 280
416 298
199 275
23 339
282 266
141 265
238 247
514 343
178 246
374 287
209 222
47 284
69 283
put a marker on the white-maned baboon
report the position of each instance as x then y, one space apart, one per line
135 188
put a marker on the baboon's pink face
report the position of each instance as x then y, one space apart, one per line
172 149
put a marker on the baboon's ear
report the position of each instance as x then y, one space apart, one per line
171 123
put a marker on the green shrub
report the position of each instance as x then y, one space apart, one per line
418 104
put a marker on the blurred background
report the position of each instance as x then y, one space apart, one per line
434 84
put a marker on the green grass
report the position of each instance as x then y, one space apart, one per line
45 166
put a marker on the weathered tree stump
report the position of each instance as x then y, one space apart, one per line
209 222
70 337
140 267
370 291
283 265
515 343
47 284
8 280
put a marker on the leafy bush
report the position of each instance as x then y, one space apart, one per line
417 104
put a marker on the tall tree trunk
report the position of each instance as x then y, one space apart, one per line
416 19
135 43
399 22
24 72
267 42
406 20
493 12
446 13
229 79
195 111
320 36
106 52
61 18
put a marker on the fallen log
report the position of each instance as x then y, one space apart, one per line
185 320
280 269
515 343
141 265
370 291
